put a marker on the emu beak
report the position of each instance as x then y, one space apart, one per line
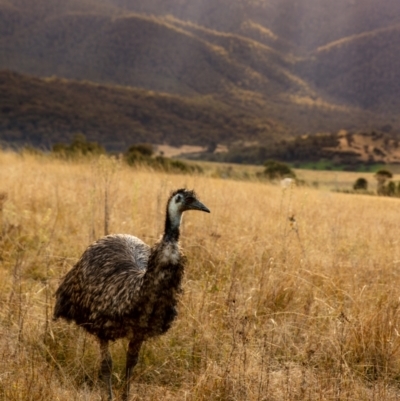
197 205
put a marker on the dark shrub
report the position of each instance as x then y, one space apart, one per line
382 176
277 170
391 188
78 147
143 154
139 153
145 149
360 184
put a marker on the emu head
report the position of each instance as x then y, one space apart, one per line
180 201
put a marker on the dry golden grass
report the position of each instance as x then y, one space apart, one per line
273 309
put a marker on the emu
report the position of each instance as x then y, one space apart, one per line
120 287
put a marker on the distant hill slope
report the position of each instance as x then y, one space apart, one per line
362 69
365 148
45 111
292 67
153 53
342 149
306 24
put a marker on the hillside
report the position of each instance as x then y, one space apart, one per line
372 58
295 68
168 55
343 149
365 148
45 111
306 24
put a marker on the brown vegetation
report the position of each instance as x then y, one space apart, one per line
291 294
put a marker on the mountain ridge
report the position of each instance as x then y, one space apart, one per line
252 57
42 111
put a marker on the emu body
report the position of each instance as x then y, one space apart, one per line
120 287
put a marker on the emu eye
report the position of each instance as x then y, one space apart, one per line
189 199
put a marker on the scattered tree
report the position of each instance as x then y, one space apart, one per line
78 147
277 170
212 146
139 153
145 149
382 176
391 189
360 184
143 153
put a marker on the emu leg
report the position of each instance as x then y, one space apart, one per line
131 360
106 367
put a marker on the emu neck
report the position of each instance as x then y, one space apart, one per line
172 225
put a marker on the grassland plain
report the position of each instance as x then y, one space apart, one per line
290 294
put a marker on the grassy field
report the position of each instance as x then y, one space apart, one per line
330 180
290 294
